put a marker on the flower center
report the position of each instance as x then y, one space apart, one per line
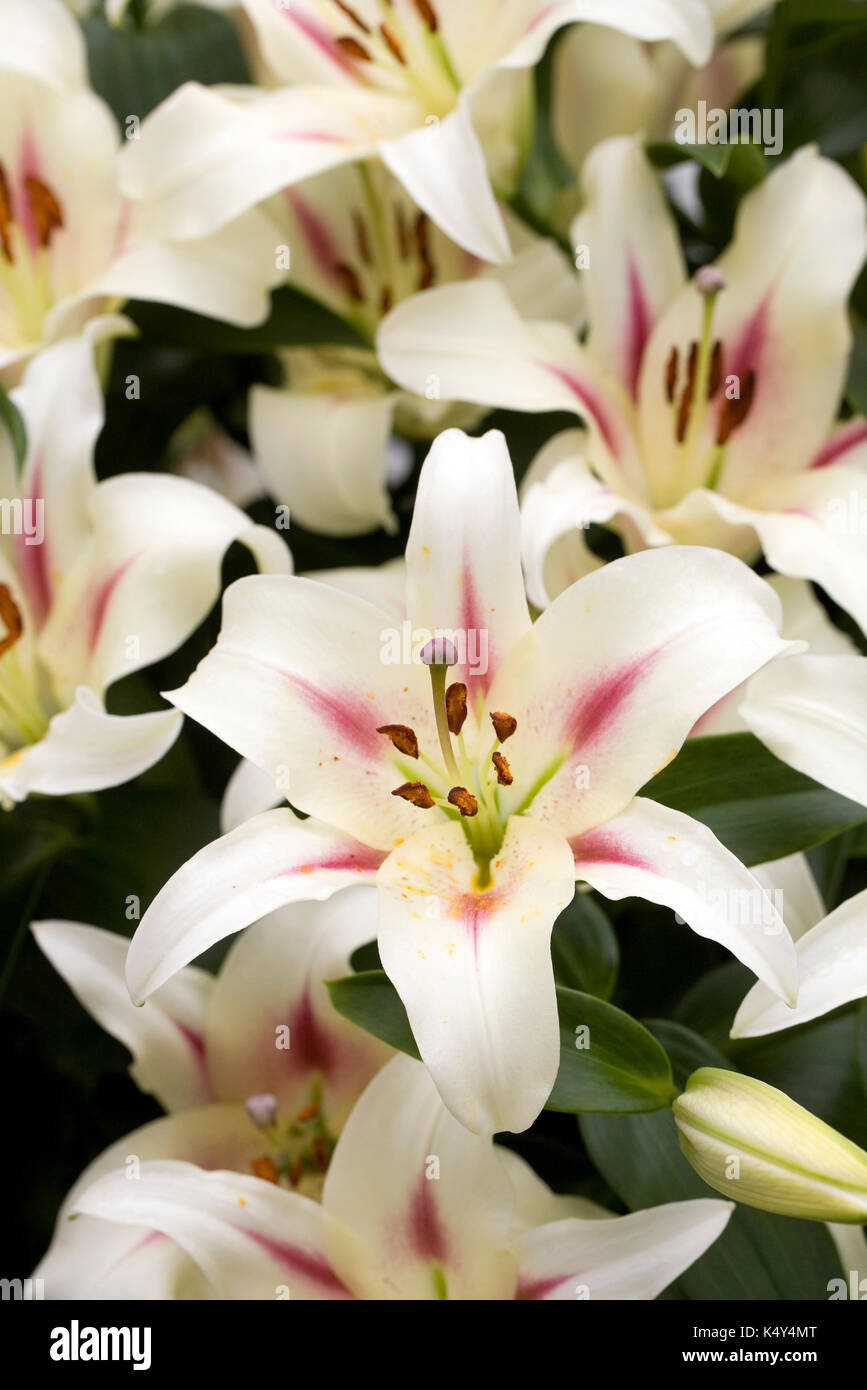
692 393
25 240
464 789
22 718
401 50
299 1148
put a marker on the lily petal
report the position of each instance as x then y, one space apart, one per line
470 342
267 862
650 851
93 1258
317 666
324 456
429 1202
832 963
250 1238
560 497
227 275
463 557
686 22
630 1257
273 980
792 878
149 577
249 792
811 711
636 266
205 156
43 41
165 1039
473 966
86 750
612 677
442 166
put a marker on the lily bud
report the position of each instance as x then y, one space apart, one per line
751 1142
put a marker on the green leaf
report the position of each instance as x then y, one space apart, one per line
666 153
758 1256
710 1005
11 418
371 1000
760 808
621 1069
686 1050
584 948
134 69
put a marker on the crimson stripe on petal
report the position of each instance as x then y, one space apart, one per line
307 1264
604 847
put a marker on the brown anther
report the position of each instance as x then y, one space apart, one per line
47 212
504 772
392 43
350 14
671 367
427 13
420 232
11 616
403 240
716 370
464 800
350 281
352 48
416 793
320 1154
386 299
427 274
456 706
264 1168
684 410
692 364
734 412
309 1112
504 724
296 1172
6 218
360 228
403 738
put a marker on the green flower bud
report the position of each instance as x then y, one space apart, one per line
751 1142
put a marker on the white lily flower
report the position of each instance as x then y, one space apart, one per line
608 83
709 411
832 961
71 247
97 580
404 769
359 244
406 81
413 1207
256 1068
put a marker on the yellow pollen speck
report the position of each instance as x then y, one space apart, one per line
669 756
672 837
242 1201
